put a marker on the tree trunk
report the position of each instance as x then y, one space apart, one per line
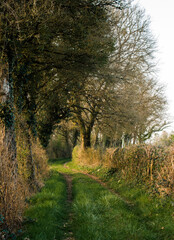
106 141
85 130
96 139
25 138
86 139
69 150
75 137
8 101
30 162
134 137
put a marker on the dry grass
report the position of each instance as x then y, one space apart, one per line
40 161
13 191
165 177
31 156
15 188
90 156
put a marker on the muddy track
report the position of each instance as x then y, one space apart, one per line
68 224
103 184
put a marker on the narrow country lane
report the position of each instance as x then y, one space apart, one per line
75 205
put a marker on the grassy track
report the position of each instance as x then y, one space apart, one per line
100 215
97 214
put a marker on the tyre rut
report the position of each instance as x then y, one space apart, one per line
129 203
68 224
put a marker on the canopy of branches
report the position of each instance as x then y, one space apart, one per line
89 62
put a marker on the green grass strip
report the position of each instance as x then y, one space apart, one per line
100 215
47 212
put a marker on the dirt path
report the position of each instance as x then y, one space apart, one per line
68 224
68 178
103 184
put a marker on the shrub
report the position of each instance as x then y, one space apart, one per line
31 157
40 161
76 154
90 156
165 176
16 188
13 191
146 164
150 165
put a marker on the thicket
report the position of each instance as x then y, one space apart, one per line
140 164
16 188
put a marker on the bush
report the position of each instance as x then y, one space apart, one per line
31 157
40 162
76 155
150 165
13 191
146 164
165 176
15 188
90 156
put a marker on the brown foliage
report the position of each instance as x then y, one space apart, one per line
14 189
40 161
90 156
146 164
165 177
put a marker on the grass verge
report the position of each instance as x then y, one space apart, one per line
47 211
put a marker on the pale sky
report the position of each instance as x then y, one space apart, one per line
162 25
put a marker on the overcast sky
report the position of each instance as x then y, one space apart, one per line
162 25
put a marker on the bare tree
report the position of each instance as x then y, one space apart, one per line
102 96
139 112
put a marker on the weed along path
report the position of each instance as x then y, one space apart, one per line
78 206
